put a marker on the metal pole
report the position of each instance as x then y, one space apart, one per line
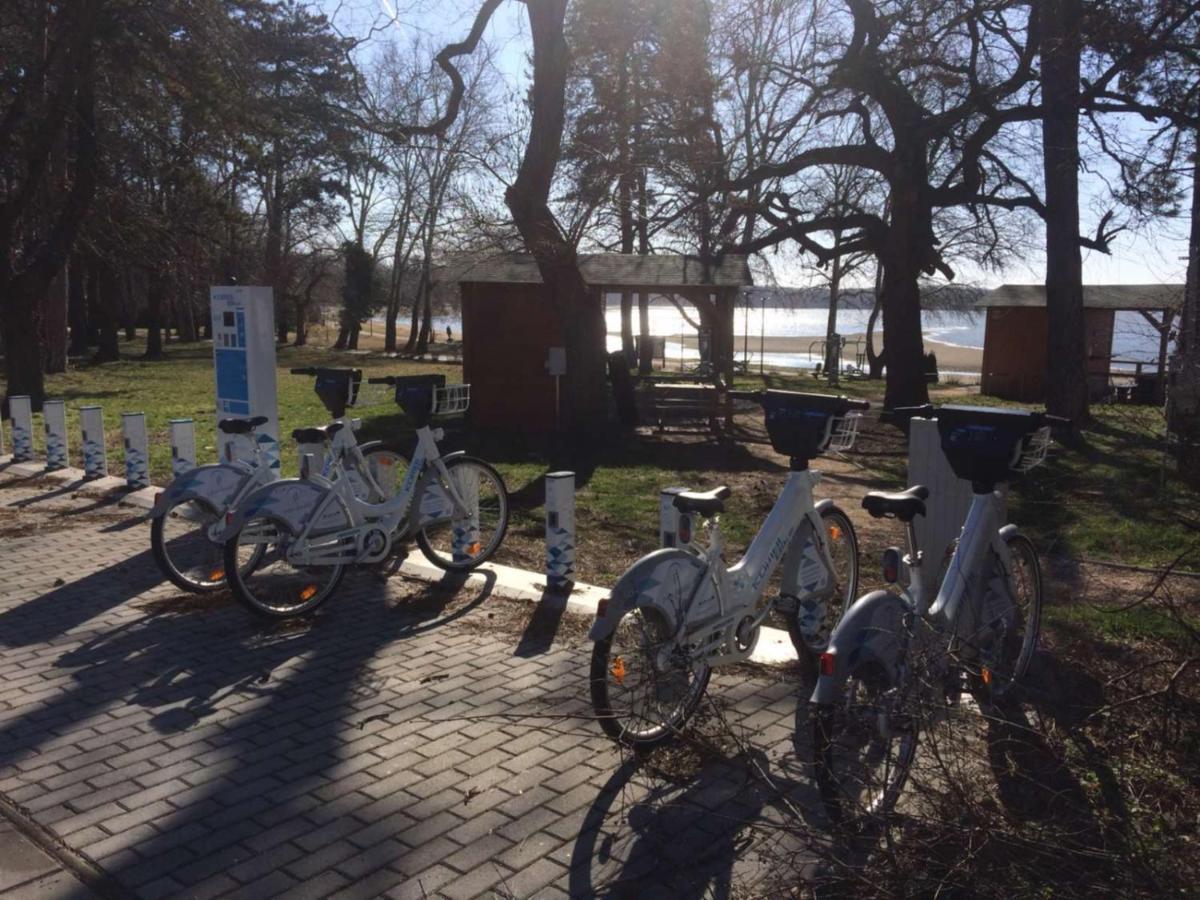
95 458
21 411
183 446
560 530
54 415
137 450
762 340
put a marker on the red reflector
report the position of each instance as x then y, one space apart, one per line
229 517
602 608
685 529
828 662
157 497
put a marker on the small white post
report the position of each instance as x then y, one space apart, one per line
95 456
183 446
21 411
560 530
137 450
54 415
316 462
668 516
466 530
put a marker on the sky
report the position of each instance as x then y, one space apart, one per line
1155 255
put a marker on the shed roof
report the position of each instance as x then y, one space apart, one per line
1095 296
662 271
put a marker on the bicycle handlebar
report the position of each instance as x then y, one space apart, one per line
761 396
386 379
1055 420
305 371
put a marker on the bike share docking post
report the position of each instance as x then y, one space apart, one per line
21 411
95 459
137 450
183 446
668 516
54 419
560 530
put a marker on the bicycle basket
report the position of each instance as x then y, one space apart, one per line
801 425
415 395
451 400
984 445
1034 450
845 432
338 389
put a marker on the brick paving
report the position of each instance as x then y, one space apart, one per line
396 745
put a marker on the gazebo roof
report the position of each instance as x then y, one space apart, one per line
607 270
1095 296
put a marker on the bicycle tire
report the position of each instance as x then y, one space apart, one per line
841 783
302 582
1028 572
809 646
640 731
210 556
479 551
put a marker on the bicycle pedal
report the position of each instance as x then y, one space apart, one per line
786 604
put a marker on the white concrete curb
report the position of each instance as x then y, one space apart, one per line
774 646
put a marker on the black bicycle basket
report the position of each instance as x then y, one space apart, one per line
338 389
414 394
981 443
799 424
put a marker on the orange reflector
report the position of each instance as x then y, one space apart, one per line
828 662
385 460
835 532
618 670
309 592
216 575
473 549
987 676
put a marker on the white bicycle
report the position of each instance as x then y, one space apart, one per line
679 612
310 529
899 655
188 515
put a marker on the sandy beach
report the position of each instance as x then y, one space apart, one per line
949 356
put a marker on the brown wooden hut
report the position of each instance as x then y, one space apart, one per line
1014 345
510 325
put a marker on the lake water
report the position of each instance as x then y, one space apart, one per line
1133 336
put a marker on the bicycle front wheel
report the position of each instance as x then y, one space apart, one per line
473 534
644 686
864 746
812 622
185 553
276 588
1016 620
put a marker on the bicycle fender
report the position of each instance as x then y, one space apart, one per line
868 632
823 505
664 579
216 484
290 504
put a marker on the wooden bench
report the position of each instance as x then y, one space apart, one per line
675 403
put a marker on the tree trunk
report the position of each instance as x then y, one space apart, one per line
109 305
77 313
1183 395
627 344
54 324
1066 345
185 317
355 331
343 338
832 345
301 324
22 350
154 344
584 409
426 305
905 249
875 361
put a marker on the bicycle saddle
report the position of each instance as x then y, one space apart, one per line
317 435
241 426
707 503
904 505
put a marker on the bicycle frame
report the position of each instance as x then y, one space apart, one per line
718 616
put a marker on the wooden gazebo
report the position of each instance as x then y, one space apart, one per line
510 325
1014 346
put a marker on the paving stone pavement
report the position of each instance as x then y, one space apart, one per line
412 740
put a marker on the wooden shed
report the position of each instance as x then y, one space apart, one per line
510 326
1014 344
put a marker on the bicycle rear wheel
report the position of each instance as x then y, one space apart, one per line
185 553
644 687
276 588
864 746
464 542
